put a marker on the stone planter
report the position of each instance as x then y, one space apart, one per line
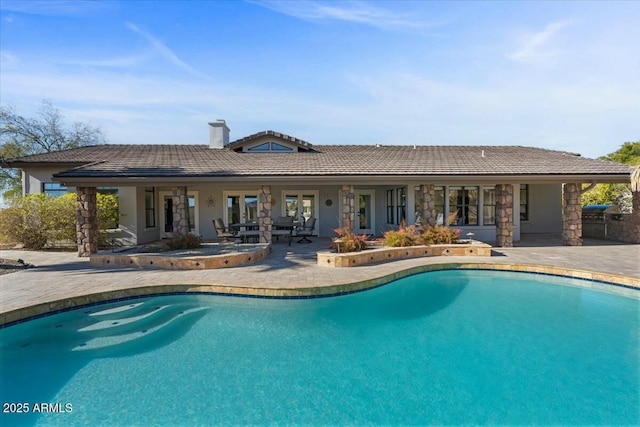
386 254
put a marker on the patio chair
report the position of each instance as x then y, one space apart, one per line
306 230
223 232
283 227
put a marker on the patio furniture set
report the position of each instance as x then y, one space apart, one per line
283 226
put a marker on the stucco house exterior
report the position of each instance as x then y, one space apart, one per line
497 192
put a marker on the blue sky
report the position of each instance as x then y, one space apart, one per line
558 75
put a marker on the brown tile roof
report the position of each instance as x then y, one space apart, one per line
326 160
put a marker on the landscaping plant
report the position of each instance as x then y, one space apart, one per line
183 241
348 241
37 220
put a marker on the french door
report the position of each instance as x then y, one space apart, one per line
300 204
241 207
365 208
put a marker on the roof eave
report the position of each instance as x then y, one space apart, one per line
341 179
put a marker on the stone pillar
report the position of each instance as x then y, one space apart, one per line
571 214
633 229
180 210
87 221
504 215
348 206
428 205
264 213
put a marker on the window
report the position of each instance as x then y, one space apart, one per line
389 206
54 189
279 147
464 201
489 206
524 202
401 204
261 147
270 146
150 207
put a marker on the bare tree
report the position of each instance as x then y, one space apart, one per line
23 136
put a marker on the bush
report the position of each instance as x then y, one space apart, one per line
347 241
183 241
438 235
108 211
37 219
404 236
34 219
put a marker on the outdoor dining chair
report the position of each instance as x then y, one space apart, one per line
222 231
306 230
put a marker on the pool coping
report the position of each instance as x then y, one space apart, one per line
596 280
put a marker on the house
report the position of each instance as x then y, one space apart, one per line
495 192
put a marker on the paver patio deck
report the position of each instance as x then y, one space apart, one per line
62 275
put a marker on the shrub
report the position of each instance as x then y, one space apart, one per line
438 235
404 236
108 211
37 219
31 220
347 241
183 241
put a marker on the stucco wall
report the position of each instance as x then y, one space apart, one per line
34 178
545 209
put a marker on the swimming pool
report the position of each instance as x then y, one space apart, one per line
445 347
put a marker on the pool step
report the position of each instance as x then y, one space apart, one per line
120 322
111 341
128 309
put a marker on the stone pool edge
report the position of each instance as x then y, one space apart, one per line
597 280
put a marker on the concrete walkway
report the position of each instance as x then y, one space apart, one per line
62 275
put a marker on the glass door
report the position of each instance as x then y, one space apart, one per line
301 205
365 218
241 208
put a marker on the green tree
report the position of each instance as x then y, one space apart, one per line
606 194
629 153
23 136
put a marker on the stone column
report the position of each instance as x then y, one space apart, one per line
504 215
87 221
180 210
571 214
633 221
264 213
348 206
428 205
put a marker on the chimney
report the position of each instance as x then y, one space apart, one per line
218 134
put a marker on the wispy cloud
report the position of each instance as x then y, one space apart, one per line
8 59
165 52
115 62
537 47
358 12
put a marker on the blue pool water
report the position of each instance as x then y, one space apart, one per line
449 347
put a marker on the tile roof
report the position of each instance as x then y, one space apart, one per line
325 160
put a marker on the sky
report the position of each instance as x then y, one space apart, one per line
550 74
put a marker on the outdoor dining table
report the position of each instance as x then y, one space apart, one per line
245 225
